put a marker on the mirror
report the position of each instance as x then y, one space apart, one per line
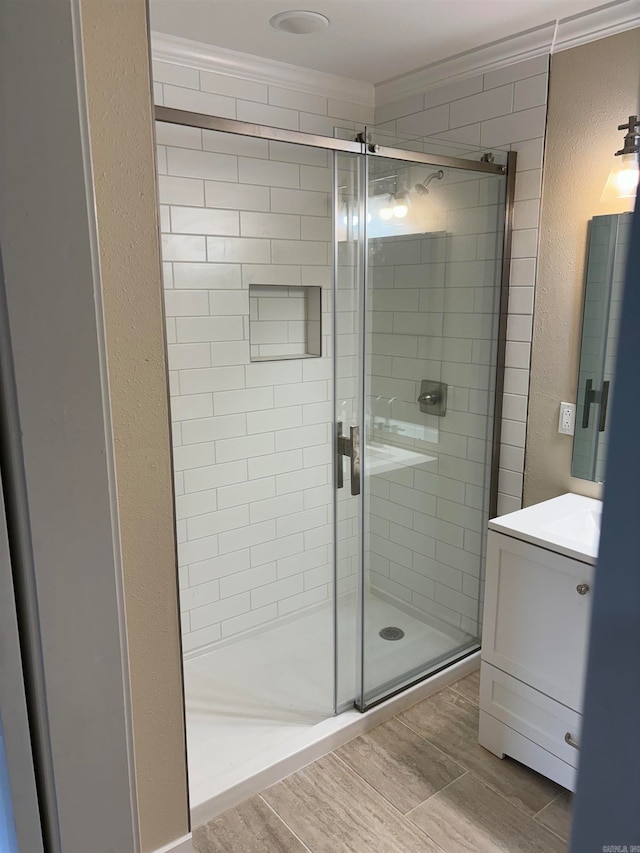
608 244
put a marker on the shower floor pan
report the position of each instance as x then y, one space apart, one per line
260 708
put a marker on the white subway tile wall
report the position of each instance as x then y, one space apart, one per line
504 109
431 553
436 296
253 442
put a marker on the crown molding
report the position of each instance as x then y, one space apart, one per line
598 23
231 63
549 38
481 60
553 37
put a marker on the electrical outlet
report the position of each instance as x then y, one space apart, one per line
567 418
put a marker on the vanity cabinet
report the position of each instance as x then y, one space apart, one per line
534 647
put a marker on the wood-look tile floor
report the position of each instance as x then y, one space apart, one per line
419 782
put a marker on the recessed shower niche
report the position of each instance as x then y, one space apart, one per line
284 322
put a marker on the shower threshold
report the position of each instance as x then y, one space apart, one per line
259 709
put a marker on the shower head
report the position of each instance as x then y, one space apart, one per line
423 188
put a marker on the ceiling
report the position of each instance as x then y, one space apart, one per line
367 40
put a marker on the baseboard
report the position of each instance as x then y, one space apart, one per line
180 845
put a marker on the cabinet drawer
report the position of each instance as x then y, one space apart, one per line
530 713
536 621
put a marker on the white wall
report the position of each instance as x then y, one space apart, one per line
252 441
502 109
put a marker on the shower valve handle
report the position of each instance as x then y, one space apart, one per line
432 398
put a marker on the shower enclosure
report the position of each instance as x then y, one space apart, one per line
336 313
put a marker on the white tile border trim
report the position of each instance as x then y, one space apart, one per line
180 845
245 66
549 38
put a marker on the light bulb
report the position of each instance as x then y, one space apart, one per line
401 204
386 213
626 182
623 179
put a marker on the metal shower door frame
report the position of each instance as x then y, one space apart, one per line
367 150
372 150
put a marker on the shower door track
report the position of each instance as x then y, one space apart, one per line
203 121
277 134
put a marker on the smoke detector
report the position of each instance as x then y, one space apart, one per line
299 22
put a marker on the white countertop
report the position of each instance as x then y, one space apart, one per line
568 525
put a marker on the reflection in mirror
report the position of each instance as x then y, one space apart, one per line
608 244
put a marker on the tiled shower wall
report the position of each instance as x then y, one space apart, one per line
252 440
503 109
223 594
434 316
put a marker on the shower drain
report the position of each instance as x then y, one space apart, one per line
391 633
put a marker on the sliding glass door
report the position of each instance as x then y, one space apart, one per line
418 284
380 356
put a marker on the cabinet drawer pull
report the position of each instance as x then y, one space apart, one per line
568 738
582 588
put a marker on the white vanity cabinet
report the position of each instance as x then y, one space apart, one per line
536 626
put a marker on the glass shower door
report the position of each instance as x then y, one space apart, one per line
248 273
348 384
418 415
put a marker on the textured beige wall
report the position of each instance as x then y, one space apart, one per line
593 89
114 35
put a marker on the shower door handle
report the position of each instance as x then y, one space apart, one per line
355 460
349 447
